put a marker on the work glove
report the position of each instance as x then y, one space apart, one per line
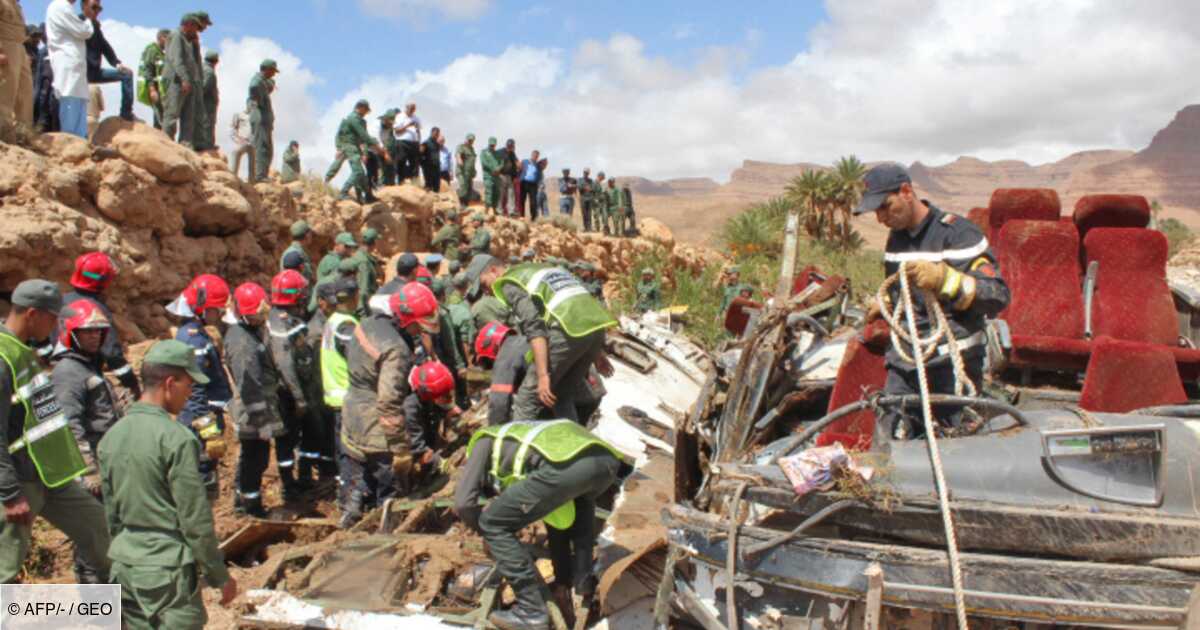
950 284
214 443
402 464
91 483
215 449
927 275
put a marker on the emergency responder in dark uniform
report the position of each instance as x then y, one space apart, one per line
948 256
564 325
447 346
426 408
337 302
202 304
86 400
379 358
93 273
255 406
551 471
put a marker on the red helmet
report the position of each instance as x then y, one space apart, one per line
423 276
205 292
487 343
431 380
249 299
93 272
85 316
288 288
415 303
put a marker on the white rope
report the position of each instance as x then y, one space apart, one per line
922 349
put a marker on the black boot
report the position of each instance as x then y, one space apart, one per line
249 507
529 613
212 484
351 509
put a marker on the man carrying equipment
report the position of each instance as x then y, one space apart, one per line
947 256
564 324
551 471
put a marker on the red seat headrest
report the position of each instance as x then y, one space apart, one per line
1111 211
1038 204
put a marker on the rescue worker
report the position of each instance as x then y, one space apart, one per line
947 256
300 231
201 305
255 406
460 314
262 117
379 358
298 398
427 406
549 471
489 163
449 238
150 74
406 268
567 187
289 166
628 216
164 542
613 208
591 281
182 76
529 255
649 292
481 241
564 324
338 300
206 136
464 165
94 272
586 189
447 345
599 203
38 471
487 308
344 247
86 399
353 142
366 268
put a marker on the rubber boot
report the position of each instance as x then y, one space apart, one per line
212 484
249 507
351 509
529 613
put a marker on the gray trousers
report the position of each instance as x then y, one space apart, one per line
547 487
570 360
179 115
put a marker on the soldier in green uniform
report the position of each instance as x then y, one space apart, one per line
489 162
612 208
289 169
206 133
448 239
150 75
367 269
460 312
300 232
344 246
550 471
586 186
481 242
182 76
161 522
353 142
649 292
387 138
262 117
464 160
39 468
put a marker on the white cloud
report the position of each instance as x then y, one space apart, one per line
683 31
417 11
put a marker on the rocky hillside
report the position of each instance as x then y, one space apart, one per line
166 214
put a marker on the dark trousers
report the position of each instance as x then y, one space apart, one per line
941 381
373 478
528 199
340 457
582 479
408 164
255 456
374 166
585 211
432 173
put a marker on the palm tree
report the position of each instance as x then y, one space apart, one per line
809 192
848 187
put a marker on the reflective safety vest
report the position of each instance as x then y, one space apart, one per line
46 435
562 295
557 441
335 375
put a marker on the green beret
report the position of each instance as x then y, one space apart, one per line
492 140
190 17
203 17
370 235
212 55
348 265
268 64
362 102
470 136
300 228
478 217
345 238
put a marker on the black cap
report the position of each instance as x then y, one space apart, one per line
293 260
406 264
881 181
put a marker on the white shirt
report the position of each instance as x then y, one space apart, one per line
66 39
413 133
240 129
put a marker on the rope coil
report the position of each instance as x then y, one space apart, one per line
923 349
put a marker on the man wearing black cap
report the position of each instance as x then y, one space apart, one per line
406 267
40 461
946 255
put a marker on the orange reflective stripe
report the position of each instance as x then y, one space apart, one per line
367 346
500 388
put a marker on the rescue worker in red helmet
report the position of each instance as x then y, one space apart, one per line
201 304
379 358
87 401
255 406
94 272
299 401
425 409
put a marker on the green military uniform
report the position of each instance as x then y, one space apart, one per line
350 140
465 169
298 230
488 309
158 513
649 293
481 242
729 292
150 73
387 138
489 161
206 132
366 270
289 171
262 121
448 239
180 67
612 209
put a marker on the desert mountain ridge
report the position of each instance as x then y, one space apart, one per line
1166 170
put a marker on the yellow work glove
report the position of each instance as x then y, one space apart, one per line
950 284
928 275
402 464
214 444
215 449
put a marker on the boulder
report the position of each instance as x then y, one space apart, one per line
168 161
66 147
655 230
217 210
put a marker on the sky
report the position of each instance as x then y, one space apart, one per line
667 89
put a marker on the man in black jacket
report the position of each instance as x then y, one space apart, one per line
97 48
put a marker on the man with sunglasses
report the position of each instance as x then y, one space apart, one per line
948 256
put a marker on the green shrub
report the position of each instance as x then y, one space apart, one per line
1178 235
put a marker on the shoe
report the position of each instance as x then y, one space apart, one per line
292 492
249 507
370 198
351 510
528 613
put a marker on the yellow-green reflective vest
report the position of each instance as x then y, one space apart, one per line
557 441
562 295
335 376
46 437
